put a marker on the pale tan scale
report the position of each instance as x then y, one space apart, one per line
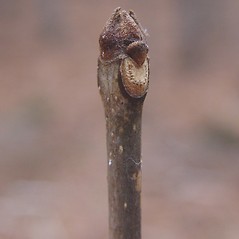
135 78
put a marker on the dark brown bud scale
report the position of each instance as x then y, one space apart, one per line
138 51
121 30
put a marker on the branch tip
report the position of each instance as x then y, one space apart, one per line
121 30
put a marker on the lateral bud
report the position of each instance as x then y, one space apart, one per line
138 51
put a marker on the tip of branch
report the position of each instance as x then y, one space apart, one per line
122 30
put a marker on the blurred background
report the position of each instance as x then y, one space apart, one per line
52 129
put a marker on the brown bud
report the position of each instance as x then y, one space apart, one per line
138 51
124 39
121 31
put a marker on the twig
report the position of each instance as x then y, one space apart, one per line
123 70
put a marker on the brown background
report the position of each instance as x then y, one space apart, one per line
52 129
